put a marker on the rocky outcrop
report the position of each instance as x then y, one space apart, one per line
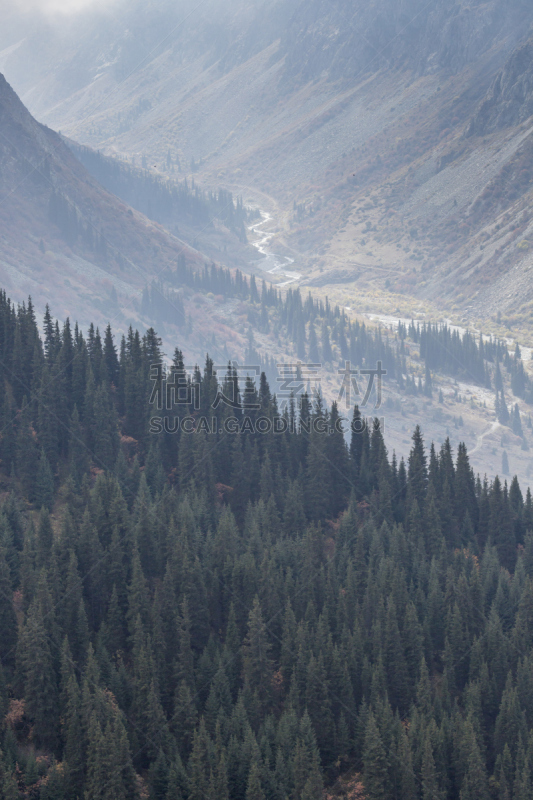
509 100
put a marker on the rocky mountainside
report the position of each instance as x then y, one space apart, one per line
313 39
344 39
509 101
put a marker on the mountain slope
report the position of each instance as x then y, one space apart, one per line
65 239
509 101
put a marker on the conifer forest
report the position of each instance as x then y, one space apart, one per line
229 614
266 400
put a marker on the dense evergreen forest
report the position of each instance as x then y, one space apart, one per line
246 616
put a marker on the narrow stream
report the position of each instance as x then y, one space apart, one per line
272 263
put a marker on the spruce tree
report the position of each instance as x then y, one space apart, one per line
8 620
198 765
417 474
44 484
254 789
375 770
430 784
40 681
475 783
256 656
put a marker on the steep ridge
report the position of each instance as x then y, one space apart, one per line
62 235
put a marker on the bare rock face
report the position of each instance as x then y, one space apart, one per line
509 100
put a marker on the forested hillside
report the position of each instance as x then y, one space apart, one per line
245 615
167 202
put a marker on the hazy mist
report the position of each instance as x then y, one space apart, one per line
54 7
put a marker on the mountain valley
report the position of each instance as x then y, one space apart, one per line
399 187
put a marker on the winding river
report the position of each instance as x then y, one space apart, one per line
272 263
